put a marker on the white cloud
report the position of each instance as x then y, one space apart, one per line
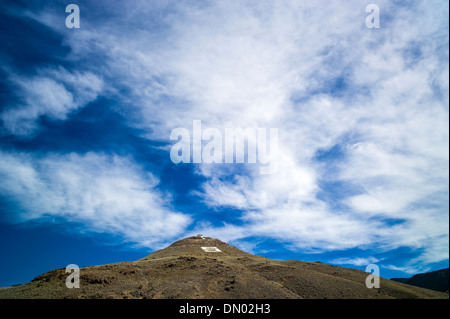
106 193
362 261
401 159
54 93
408 269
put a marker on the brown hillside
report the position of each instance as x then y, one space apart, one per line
185 270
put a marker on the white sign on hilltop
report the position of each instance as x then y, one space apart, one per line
211 249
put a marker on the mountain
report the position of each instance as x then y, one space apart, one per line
203 267
435 280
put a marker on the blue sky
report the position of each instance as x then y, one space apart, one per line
86 116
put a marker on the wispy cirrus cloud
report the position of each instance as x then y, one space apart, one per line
52 92
106 193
